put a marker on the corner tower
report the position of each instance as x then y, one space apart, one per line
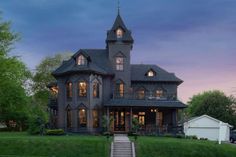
119 43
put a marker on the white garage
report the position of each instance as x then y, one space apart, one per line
207 127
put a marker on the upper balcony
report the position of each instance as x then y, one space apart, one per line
144 96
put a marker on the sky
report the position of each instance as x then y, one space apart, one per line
195 39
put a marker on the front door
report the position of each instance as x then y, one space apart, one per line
119 120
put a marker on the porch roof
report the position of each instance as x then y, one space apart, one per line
145 103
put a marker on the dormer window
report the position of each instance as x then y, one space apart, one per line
81 60
151 73
119 33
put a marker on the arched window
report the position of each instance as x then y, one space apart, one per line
119 63
119 33
68 118
82 87
81 60
96 90
141 93
159 93
69 90
119 89
82 117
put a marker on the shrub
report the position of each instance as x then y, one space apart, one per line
202 138
194 137
167 135
55 132
179 136
36 126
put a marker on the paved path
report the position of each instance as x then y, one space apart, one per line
121 147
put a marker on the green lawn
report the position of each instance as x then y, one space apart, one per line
24 145
173 147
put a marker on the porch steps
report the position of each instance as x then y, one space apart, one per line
122 147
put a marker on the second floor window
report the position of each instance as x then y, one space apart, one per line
69 90
82 89
81 60
119 89
159 93
141 94
119 63
95 90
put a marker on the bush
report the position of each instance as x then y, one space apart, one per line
36 126
194 137
55 132
202 138
180 136
167 135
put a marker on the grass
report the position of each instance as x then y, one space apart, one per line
173 147
24 145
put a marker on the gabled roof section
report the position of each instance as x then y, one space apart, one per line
209 117
81 52
111 34
99 63
138 73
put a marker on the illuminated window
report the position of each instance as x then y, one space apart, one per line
119 63
82 89
95 90
141 93
159 93
95 119
119 33
150 73
69 90
141 118
82 118
81 60
119 89
69 122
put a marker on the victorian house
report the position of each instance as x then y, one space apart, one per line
98 83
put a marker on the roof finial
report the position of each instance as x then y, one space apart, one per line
118 7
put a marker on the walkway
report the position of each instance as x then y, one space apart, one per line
122 147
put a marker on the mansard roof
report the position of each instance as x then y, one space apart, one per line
111 34
98 63
145 103
138 73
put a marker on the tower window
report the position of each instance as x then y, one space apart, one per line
119 33
119 63
81 60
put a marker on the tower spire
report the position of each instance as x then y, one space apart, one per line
118 6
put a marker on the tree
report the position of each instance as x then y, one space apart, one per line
43 77
215 104
13 74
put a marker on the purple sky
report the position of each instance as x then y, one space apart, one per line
196 39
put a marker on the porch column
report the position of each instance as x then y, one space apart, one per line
174 119
108 119
157 121
131 117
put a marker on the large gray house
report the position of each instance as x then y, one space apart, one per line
98 83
